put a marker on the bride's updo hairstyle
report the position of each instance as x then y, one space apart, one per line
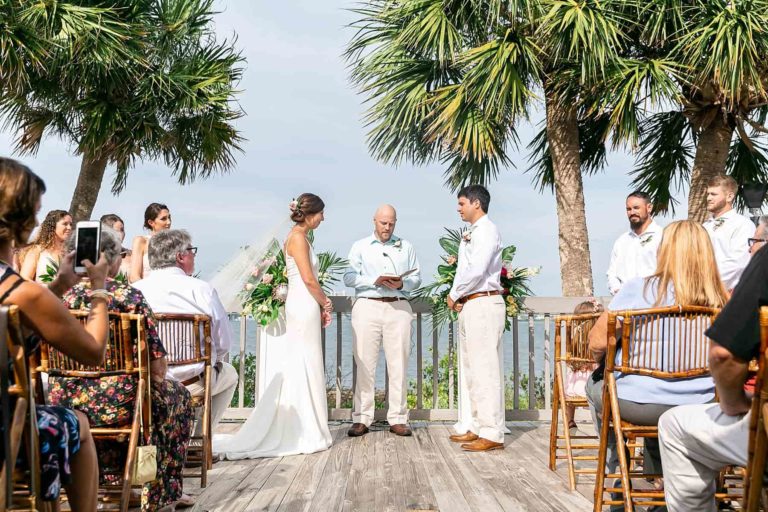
304 205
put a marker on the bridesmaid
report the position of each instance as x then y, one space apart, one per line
47 248
156 218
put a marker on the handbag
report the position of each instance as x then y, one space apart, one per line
145 463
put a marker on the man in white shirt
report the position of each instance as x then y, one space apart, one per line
634 253
760 238
170 288
476 296
729 231
382 316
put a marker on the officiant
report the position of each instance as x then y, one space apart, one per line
383 271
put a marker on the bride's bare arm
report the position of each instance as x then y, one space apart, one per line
298 248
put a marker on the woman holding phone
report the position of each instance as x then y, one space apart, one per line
156 218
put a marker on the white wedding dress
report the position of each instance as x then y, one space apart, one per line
292 415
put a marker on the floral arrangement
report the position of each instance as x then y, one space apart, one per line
514 280
266 289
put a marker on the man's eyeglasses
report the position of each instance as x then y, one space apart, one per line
753 241
193 250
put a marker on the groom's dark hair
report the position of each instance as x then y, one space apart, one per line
476 193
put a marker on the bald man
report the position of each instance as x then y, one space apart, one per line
383 271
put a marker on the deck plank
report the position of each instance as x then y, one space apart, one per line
417 489
360 493
389 495
333 484
447 493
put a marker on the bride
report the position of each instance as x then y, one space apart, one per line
292 415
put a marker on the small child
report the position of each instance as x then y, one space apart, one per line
578 372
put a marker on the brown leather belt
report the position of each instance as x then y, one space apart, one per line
386 299
191 380
477 295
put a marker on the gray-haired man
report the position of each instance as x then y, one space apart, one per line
170 288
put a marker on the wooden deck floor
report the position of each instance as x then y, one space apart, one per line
383 472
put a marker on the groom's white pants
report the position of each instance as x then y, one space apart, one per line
481 326
374 324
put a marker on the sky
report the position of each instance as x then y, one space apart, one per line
304 131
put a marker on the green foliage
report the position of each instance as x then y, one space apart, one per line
145 79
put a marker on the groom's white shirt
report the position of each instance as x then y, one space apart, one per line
170 290
479 265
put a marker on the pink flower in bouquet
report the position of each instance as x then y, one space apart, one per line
269 262
505 291
256 271
503 271
451 260
267 279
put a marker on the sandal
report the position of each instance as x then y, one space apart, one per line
185 501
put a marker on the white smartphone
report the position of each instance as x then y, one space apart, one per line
87 243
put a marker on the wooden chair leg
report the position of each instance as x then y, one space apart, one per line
602 452
567 436
554 423
621 450
133 442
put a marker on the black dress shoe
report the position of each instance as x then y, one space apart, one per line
357 430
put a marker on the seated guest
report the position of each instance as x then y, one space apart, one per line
687 275
109 400
67 449
43 255
115 222
697 441
172 289
760 237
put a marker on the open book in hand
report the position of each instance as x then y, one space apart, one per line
393 276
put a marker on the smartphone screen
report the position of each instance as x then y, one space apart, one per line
87 248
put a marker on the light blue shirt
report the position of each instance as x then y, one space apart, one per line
650 390
369 259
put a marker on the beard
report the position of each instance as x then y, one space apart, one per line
636 222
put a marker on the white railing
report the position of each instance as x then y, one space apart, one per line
531 362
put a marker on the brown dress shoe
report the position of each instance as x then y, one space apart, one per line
357 430
401 430
482 445
464 438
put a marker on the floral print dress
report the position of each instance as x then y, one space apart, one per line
109 401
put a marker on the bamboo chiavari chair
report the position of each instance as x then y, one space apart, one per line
758 425
574 350
21 490
665 343
187 339
126 340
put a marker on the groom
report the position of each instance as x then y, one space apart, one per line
382 316
476 296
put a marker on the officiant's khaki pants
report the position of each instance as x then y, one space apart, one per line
374 324
481 325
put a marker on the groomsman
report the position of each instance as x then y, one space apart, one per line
729 231
634 253
476 296
383 271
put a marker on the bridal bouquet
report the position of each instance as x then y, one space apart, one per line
514 281
266 289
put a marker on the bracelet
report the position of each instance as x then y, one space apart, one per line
101 293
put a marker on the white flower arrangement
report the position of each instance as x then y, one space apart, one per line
398 244
467 235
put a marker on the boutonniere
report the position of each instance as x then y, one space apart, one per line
467 236
644 241
719 222
397 244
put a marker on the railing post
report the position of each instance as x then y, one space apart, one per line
435 363
531 364
241 370
451 371
547 349
338 360
419 364
515 364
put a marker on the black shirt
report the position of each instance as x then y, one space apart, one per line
737 327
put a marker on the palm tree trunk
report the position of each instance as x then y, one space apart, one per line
87 189
711 155
563 137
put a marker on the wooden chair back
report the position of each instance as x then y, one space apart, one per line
19 490
126 354
571 351
665 343
758 424
187 340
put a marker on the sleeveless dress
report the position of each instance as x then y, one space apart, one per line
45 260
145 268
292 415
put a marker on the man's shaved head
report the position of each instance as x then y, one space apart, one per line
384 221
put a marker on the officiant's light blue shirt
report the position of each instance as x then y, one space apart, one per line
369 258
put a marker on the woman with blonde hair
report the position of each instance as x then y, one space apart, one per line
686 275
40 260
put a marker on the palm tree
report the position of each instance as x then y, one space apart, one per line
451 81
701 63
140 79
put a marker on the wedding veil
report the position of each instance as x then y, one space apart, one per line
230 279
